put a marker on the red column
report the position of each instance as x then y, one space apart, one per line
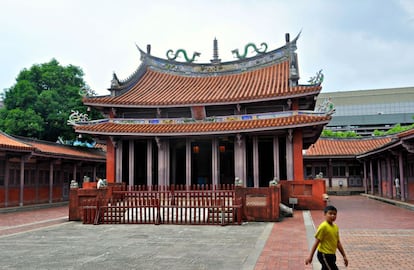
110 161
297 155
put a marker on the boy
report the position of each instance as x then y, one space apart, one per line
327 241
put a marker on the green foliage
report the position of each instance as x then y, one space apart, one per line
40 102
327 133
395 129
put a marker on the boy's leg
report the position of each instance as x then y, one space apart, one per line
328 261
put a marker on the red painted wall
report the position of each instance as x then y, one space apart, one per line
297 155
110 161
31 195
308 192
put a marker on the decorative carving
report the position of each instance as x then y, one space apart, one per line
77 117
327 106
114 81
246 48
238 182
74 184
274 181
157 140
184 53
317 79
239 139
290 135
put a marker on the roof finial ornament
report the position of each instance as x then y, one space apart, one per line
114 81
184 53
263 47
215 59
317 79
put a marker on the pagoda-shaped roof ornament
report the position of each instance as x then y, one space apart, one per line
215 59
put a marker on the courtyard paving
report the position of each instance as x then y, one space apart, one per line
375 235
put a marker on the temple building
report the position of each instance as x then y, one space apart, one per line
187 123
39 172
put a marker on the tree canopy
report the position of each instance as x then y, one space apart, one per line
38 105
327 133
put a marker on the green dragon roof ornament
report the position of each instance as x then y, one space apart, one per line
263 48
172 56
317 79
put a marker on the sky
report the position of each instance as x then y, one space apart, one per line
359 44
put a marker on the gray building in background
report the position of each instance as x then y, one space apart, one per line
364 111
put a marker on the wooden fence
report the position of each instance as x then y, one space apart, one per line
166 205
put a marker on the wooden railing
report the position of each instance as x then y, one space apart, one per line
165 206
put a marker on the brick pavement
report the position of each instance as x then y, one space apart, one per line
375 235
25 220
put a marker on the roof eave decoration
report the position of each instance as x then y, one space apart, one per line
212 125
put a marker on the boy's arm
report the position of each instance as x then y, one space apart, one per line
341 249
313 249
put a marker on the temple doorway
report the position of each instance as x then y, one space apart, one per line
201 171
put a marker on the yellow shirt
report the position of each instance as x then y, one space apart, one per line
328 235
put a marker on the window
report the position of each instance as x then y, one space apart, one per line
354 170
338 170
320 169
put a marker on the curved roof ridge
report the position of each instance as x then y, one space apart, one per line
222 89
205 69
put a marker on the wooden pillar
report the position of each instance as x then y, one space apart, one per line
380 193
163 162
118 161
390 181
240 159
365 177
131 162
22 161
289 155
401 174
149 163
6 182
215 161
276 171
51 173
255 162
298 155
371 177
188 162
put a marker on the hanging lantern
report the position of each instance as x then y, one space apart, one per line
222 148
196 149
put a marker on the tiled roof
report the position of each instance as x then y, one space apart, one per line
156 88
345 147
111 128
405 134
67 151
10 143
44 148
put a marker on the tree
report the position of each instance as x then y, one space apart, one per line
395 129
327 133
40 102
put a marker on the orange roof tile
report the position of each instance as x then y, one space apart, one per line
65 150
8 142
197 128
156 88
406 133
345 147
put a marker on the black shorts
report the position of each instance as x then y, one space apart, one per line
328 261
